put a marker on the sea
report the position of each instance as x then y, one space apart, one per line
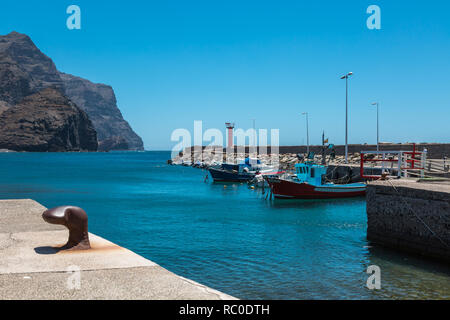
226 236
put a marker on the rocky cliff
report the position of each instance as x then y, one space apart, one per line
25 70
46 121
99 102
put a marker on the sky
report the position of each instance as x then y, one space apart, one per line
173 62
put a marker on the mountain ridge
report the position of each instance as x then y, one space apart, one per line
25 70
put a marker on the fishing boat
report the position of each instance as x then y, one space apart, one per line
308 183
242 172
231 173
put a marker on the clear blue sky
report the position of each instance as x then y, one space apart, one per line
173 62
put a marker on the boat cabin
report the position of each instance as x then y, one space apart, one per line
310 173
246 165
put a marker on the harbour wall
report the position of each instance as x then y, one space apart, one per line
434 150
410 216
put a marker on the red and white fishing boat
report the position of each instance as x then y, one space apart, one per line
308 183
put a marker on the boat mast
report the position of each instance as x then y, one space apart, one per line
323 147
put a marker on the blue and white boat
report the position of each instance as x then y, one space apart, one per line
242 172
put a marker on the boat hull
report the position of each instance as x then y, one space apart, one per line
219 175
285 189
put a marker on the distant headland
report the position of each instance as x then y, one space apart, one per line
42 109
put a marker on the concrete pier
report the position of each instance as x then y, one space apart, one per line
31 267
411 216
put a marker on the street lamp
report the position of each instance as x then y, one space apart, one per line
307 133
255 144
346 114
378 126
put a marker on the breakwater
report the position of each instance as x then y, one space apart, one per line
285 157
434 150
411 216
285 161
339 173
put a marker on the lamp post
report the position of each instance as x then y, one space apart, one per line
346 114
307 133
378 124
255 144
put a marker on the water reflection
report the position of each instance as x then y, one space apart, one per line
313 203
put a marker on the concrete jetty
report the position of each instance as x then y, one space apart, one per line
31 267
410 215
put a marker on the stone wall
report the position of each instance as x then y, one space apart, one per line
349 174
402 216
435 150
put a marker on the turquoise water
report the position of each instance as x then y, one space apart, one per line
224 236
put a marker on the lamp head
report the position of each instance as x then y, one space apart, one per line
347 75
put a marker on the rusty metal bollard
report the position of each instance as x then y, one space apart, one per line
75 219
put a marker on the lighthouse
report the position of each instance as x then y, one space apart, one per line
230 127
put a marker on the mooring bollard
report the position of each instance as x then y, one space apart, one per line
75 219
